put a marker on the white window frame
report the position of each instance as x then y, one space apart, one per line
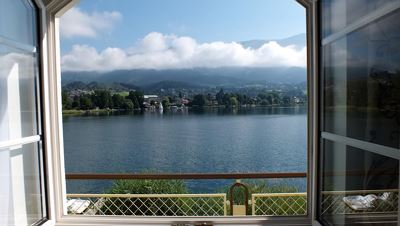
363 145
14 143
50 12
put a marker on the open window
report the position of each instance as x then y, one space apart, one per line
353 126
22 193
360 121
174 126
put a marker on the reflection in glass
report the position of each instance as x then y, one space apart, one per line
361 104
357 182
21 200
17 21
337 14
21 195
362 83
17 94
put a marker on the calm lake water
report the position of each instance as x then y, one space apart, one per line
244 140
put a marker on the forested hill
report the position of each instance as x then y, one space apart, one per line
201 77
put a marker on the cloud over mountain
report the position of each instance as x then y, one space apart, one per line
78 23
160 51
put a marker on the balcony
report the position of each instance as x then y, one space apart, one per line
241 203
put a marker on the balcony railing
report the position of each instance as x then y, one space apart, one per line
279 204
218 204
262 204
148 204
181 204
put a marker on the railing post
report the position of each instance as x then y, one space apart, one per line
238 209
253 205
225 211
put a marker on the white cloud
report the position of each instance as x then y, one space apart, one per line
78 23
159 51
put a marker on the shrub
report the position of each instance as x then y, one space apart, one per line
148 206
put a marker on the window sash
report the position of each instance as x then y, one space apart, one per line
18 45
13 145
53 122
370 17
365 146
21 141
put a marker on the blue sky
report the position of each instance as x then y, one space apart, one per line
124 23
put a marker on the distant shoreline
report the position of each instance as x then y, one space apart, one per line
107 110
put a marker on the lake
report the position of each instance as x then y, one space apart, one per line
271 139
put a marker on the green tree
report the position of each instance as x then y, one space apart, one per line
137 98
226 99
66 101
209 97
102 99
118 101
85 102
233 102
165 102
127 105
286 100
264 102
171 99
262 96
274 98
75 103
241 98
220 97
199 100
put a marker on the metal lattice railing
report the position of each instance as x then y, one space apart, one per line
279 204
290 204
262 204
147 204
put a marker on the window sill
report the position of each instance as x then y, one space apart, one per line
127 220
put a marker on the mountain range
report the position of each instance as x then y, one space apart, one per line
206 77
198 77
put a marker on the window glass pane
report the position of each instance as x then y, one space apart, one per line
20 194
362 83
333 9
17 94
356 182
17 21
356 9
337 14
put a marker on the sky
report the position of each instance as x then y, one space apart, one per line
104 35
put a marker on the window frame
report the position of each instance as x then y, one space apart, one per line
37 139
320 42
51 12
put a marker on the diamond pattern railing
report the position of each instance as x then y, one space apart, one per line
291 204
147 204
279 204
262 204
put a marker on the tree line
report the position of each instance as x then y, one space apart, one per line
102 99
267 98
105 99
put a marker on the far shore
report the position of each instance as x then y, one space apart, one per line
108 110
